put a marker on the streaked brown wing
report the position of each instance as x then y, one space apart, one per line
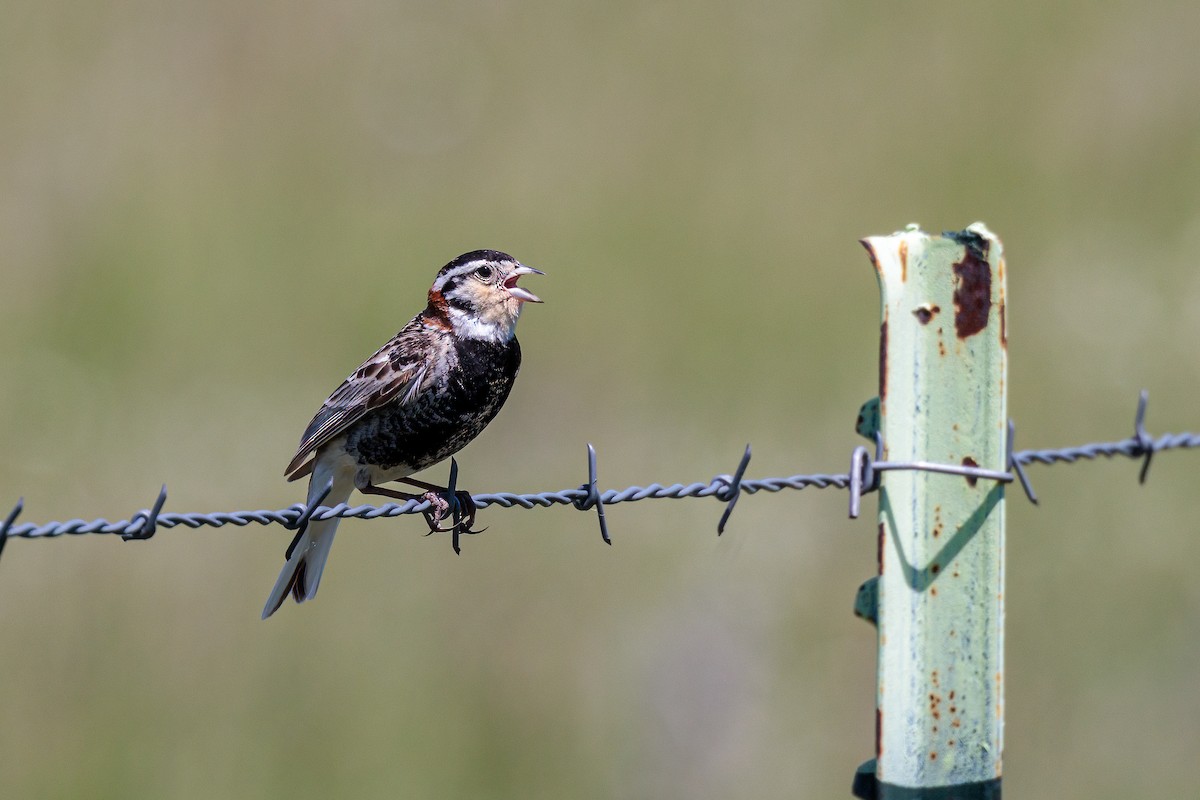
396 370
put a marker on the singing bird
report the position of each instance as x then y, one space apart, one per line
419 399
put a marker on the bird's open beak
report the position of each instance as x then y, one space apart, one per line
518 292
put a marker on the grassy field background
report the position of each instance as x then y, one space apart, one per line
210 212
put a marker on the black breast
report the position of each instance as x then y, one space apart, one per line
441 421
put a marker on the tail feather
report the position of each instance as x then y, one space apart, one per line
306 557
300 582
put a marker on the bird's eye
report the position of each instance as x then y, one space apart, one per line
484 272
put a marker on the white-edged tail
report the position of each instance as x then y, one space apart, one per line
301 575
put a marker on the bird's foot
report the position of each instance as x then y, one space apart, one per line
462 512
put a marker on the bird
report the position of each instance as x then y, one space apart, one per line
418 400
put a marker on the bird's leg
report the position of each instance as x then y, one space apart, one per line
432 516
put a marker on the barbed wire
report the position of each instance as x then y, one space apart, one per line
862 478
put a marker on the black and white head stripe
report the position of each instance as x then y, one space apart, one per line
474 256
449 275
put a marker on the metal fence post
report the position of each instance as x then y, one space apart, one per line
938 601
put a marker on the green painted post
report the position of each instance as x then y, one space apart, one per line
938 601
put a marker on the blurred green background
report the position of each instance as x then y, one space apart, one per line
211 212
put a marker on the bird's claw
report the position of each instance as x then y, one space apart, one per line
463 513
437 511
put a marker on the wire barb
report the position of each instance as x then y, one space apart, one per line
300 524
592 496
455 510
307 511
149 524
734 490
1145 444
8 522
1014 463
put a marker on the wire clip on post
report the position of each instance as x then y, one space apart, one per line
862 478
864 472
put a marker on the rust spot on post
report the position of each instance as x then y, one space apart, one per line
870 253
879 548
903 260
972 293
1003 326
883 348
925 313
970 462
878 731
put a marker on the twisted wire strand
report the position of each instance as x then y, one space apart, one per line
723 487
1130 448
717 487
